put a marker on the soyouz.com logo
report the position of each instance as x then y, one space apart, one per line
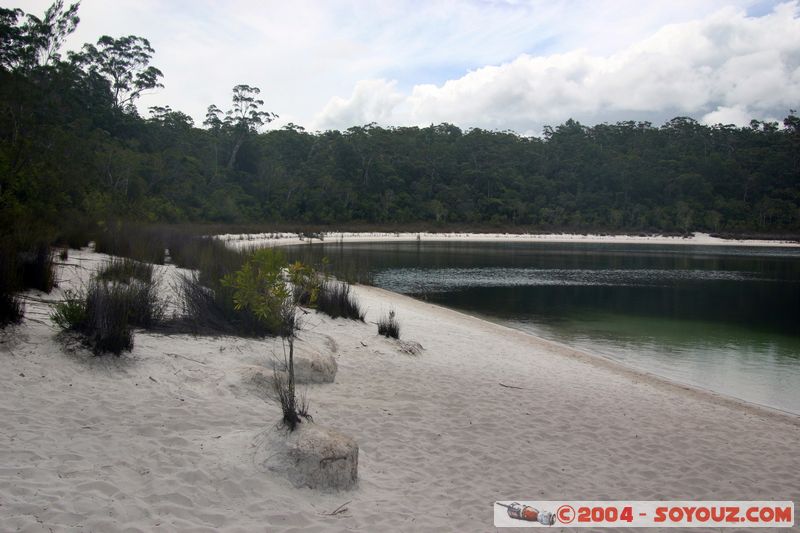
619 514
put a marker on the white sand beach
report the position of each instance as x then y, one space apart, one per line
696 239
172 437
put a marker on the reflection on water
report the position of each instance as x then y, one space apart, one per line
717 317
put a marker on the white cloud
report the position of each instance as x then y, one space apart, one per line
727 67
326 63
371 101
728 115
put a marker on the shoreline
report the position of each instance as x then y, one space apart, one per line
175 434
697 239
615 365
290 239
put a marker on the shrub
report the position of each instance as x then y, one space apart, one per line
10 305
146 244
124 270
388 326
101 315
11 309
145 308
76 233
259 286
107 325
71 313
306 284
139 288
209 311
336 301
36 268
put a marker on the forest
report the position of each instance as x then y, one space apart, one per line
75 151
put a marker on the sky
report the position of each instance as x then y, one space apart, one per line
495 64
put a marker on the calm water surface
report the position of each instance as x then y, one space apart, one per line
722 318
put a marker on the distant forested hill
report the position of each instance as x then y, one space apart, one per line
73 147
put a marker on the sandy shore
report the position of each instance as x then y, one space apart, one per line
172 437
697 239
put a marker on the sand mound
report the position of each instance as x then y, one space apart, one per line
313 456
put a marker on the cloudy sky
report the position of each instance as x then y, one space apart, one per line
497 64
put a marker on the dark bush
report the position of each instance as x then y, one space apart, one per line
10 304
139 287
209 311
143 243
145 308
388 326
124 270
101 315
336 301
37 269
76 233
11 311
107 326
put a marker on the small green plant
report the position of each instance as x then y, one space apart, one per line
259 287
306 283
388 326
70 314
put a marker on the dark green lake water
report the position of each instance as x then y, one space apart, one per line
722 318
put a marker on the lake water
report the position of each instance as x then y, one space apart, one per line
721 318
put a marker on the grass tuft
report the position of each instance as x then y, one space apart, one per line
107 325
101 316
388 326
125 270
294 410
335 300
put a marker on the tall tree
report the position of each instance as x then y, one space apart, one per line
244 117
125 64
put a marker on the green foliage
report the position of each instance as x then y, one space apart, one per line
124 64
306 283
259 286
70 314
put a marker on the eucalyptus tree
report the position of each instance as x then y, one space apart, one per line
244 118
124 63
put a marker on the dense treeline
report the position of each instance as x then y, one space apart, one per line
74 148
